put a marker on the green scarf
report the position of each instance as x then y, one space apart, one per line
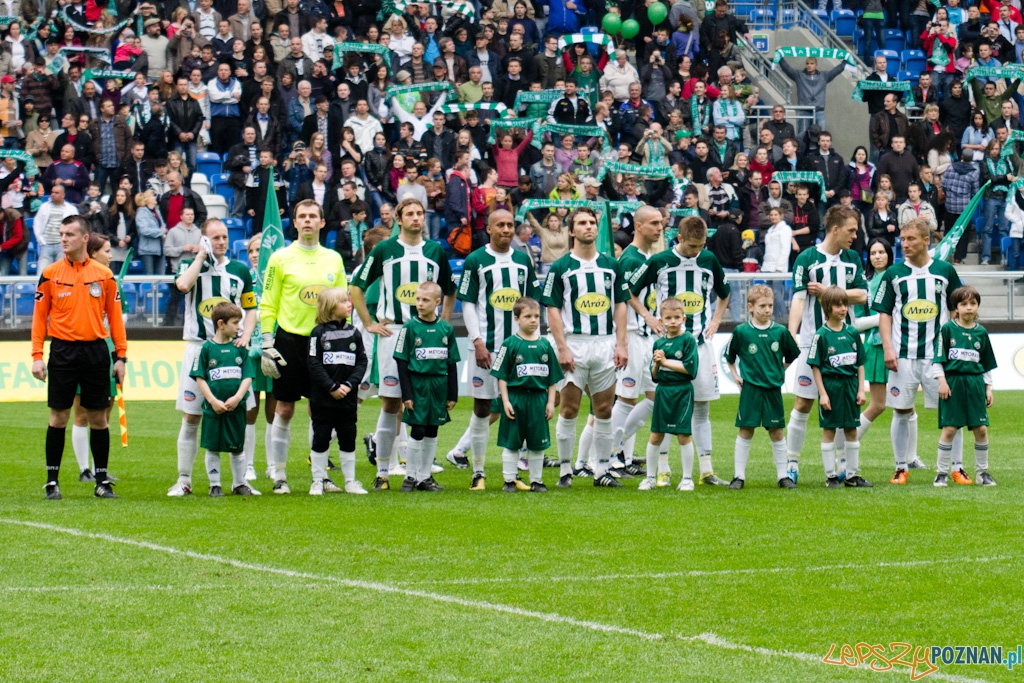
90 74
476 106
504 124
698 122
116 28
801 177
1011 71
903 87
531 97
373 48
997 169
539 129
939 56
24 157
1008 146
433 86
531 204
818 52
659 171
99 53
587 39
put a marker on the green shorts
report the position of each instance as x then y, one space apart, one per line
842 394
530 424
260 382
673 409
965 406
429 404
224 433
875 371
760 407
496 406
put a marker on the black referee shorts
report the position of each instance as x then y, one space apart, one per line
294 382
75 364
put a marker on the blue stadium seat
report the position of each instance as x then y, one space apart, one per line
821 14
236 234
892 65
24 299
1004 247
131 296
332 239
762 18
135 267
218 179
858 39
788 17
3 300
238 249
227 192
844 21
208 163
285 224
33 267
225 157
895 41
906 76
914 61
146 293
456 265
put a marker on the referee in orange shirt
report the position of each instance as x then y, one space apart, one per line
72 297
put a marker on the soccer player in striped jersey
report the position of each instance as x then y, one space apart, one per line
400 264
689 272
205 285
494 277
586 298
829 264
912 302
635 379
295 277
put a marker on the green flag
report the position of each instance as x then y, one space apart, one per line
273 234
120 276
943 251
605 233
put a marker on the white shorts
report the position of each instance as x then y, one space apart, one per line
387 366
190 400
705 384
482 384
805 386
903 384
366 390
595 362
635 379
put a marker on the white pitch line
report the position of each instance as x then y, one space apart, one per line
709 639
116 588
692 573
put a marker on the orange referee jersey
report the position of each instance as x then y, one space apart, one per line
70 302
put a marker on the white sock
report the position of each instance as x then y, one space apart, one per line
701 427
981 456
479 434
412 461
741 455
620 413
385 436
663 465
942 464
238 465
628 447
912 439
865 425
348 465
249 450
188 445
958 446
840 443
687 458
464 444
509 458
400 449
652 460
427 456
638 417
852 459
281 439
268 440
602 444
898 433
565 439
796 432
80 444
319 461
957 458
586 441
779 456
213 467
536 460
828 459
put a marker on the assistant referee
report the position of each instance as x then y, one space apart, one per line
294 279
71 299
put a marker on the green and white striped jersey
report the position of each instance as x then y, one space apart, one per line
230 281
918 301
494 282
631 261
815 265
400 268
690 280
586 292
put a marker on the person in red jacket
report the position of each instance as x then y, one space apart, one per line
482 202
939 43
506 158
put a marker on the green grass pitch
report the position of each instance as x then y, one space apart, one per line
580 585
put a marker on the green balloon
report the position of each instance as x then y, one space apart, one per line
611 23
630 28
657 13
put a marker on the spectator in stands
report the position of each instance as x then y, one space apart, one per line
544 174
988 100
68 173
151 231
296 63
319 190
41 86
154 43
721 198
181 242
39 142
832 168
364 127
810 85
618 76
916 207
789 161
186 122
975 139
47 226
179 198
120 226
457 211
939 45
880 222
888 124
997 170
873 21
806 222
720 20
256 191
571 108
860 179
224 93
14 241
136 168
780 128
901 167
566 17
876 98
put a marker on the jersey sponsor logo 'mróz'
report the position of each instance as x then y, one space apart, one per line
920 310
592 304
206 306
407 293
311 295
504 299
692 302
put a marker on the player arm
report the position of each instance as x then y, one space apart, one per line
469 318
359 303
248 325
885 331
796 312
40 317
204 389
271 299
642 311
187 280
243 389
404 379
448 307
675 366
620 325
557 328
857 296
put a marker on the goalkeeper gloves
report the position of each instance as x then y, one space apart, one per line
272 359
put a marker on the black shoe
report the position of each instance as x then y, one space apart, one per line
640 461
242 490
983 478
564 481
381 484
584 472
52 491
104 490
216 492
428 484
787 483
509 487
548 462
332 467
620 472
112 478
636 470
833 483
408 485
607 481
538 487
86 476
858 482
736 484
371 448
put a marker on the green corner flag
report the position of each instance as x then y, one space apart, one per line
273 233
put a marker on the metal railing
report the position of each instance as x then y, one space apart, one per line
763 70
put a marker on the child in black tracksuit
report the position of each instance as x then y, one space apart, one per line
337 363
